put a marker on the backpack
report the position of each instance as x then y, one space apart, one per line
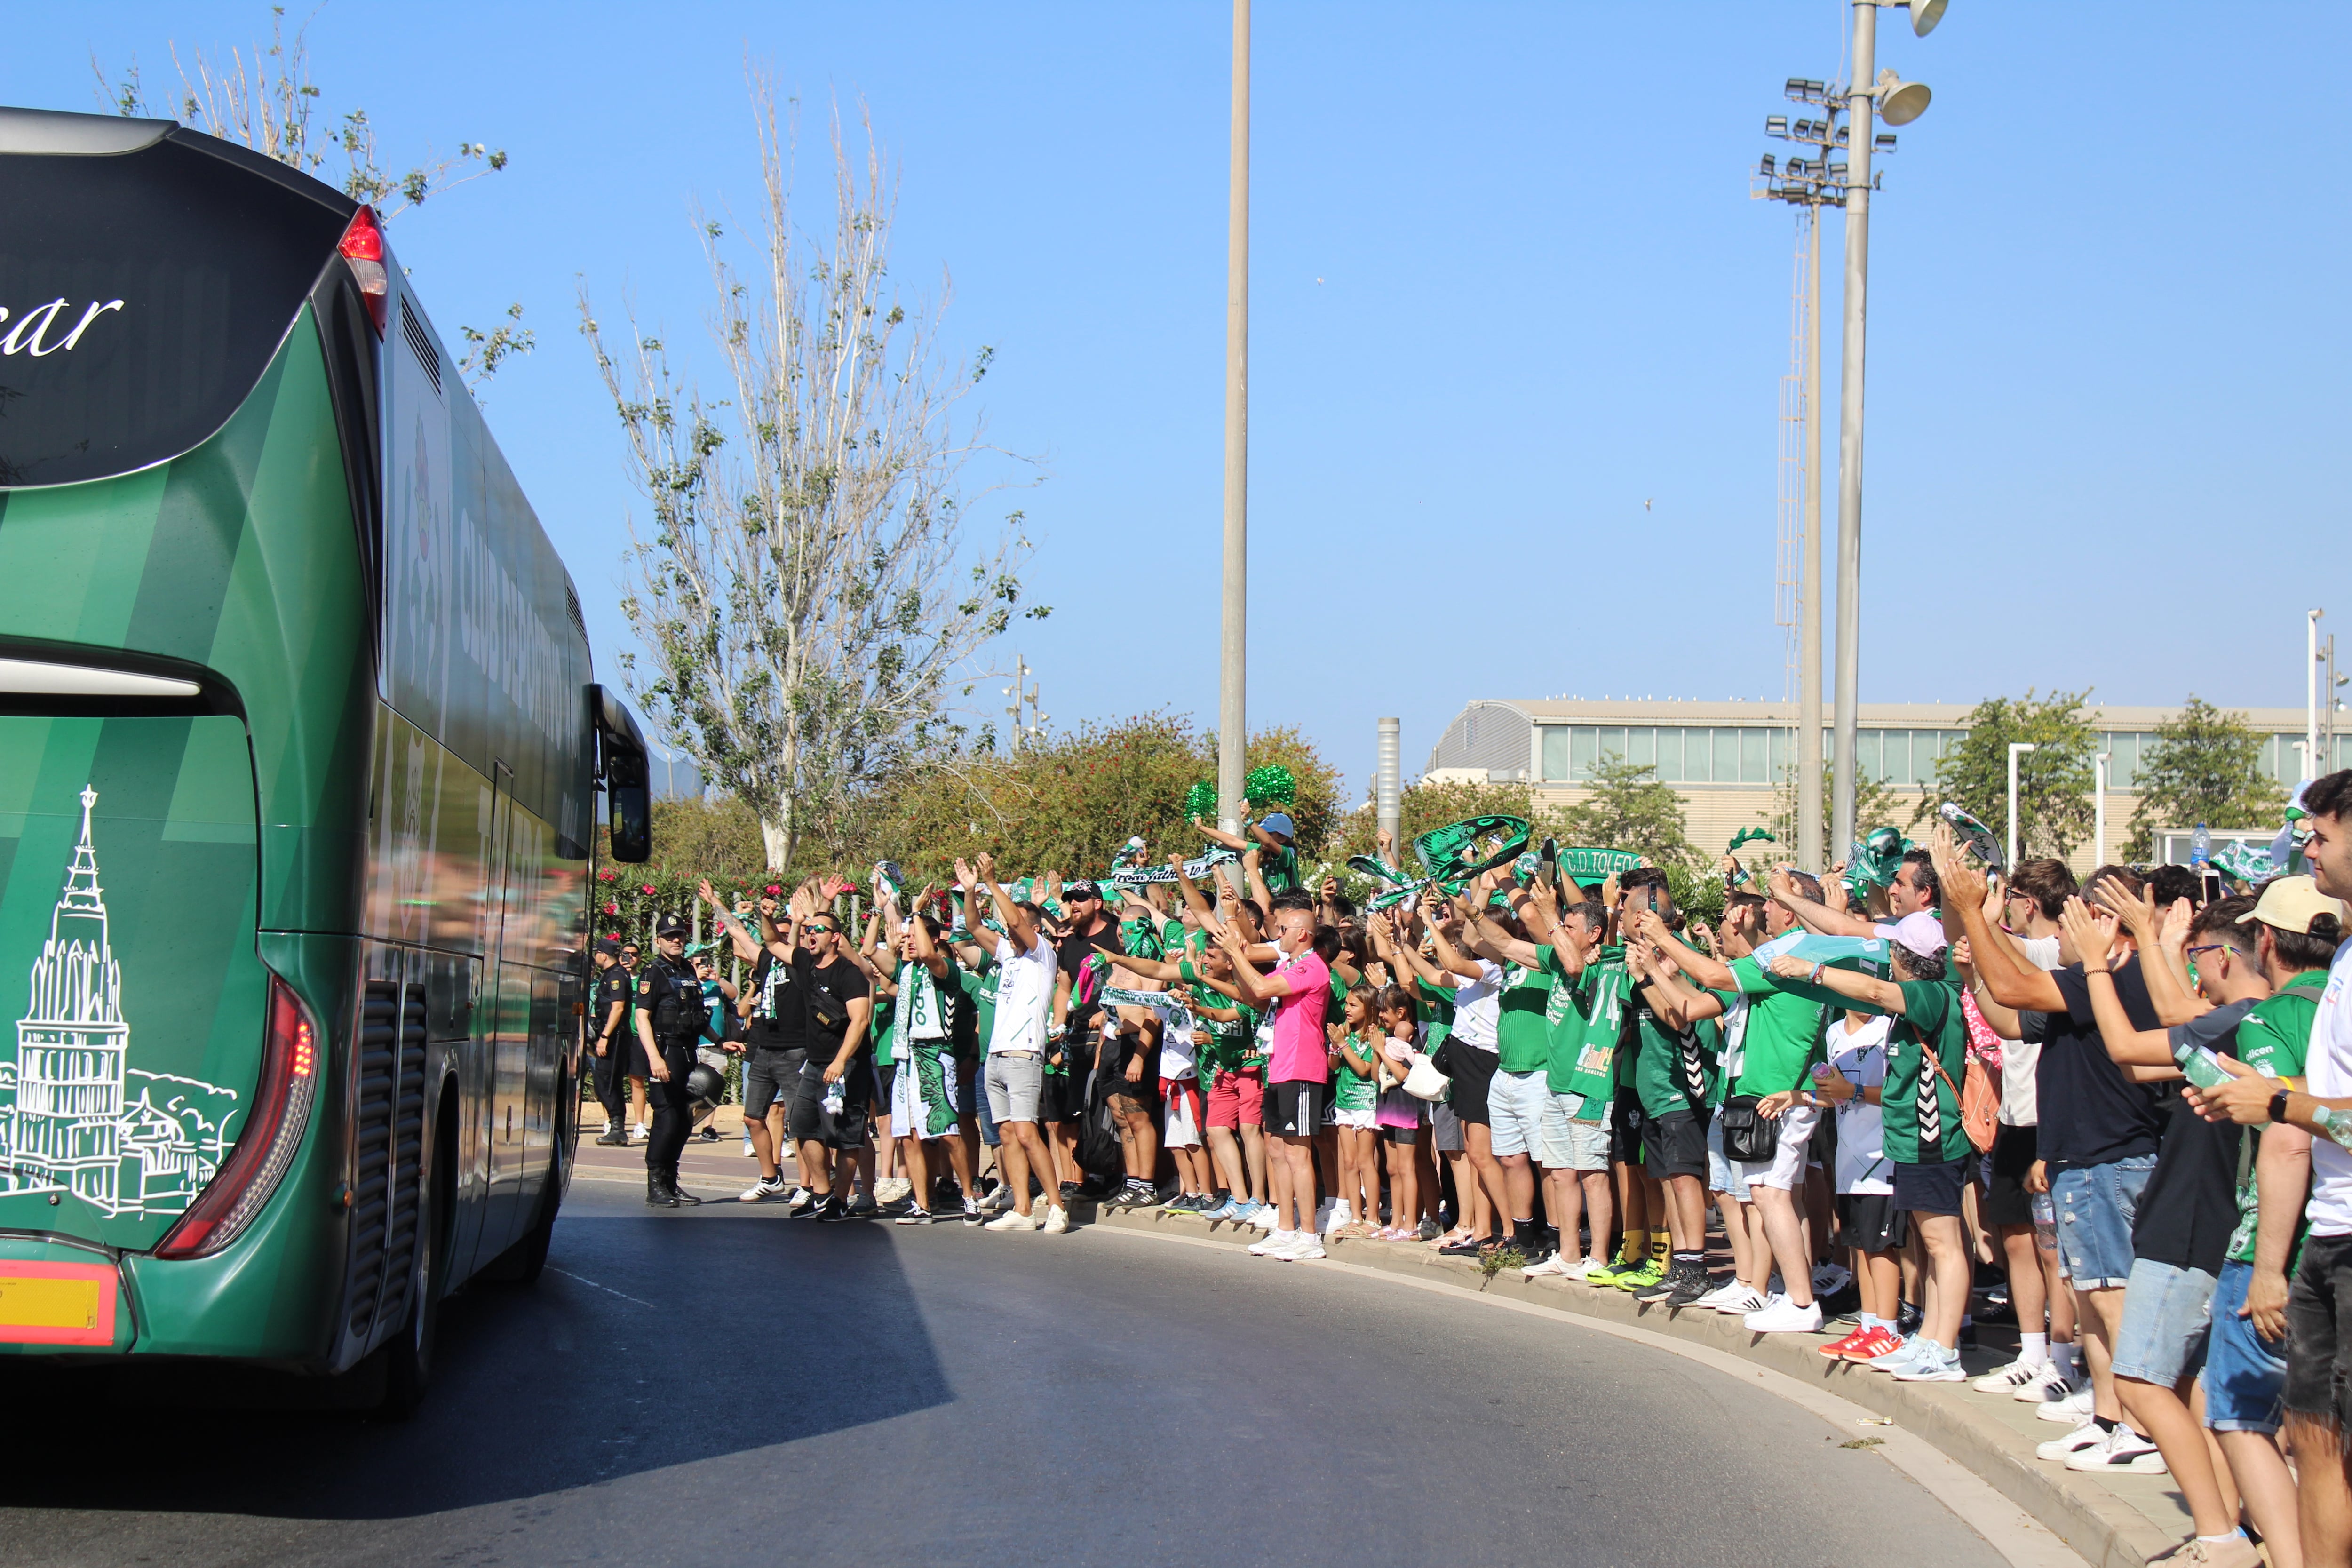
1979 1093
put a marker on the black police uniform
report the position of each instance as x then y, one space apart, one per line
613 984
671 998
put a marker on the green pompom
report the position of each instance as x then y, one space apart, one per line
1270 785
1200 803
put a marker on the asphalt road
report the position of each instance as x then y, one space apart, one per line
723 1386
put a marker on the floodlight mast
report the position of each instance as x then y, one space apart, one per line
1810 188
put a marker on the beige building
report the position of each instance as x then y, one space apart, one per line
1726 759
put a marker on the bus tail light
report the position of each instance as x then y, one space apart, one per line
363 246
273 1131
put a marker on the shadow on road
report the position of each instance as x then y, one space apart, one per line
651 1341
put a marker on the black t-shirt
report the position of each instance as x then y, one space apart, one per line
838 982
1072 952
778 1019
2091 1114
2190 1203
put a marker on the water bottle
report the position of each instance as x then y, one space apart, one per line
2200 848
2045 1220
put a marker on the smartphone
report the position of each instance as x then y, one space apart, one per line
2213 887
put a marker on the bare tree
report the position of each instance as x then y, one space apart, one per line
263 98
807 606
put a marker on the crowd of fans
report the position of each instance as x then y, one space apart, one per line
1917 1095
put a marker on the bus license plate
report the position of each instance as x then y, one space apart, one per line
56 1304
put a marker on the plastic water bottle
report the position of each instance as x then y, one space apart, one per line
2200 848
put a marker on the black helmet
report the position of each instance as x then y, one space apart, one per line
706 1083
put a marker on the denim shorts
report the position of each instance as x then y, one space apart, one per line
975 1093
2166 1309
2245 1374
1564 1144
1515 1109
2096 1204
1722 1175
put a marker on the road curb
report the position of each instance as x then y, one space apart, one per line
2106 1529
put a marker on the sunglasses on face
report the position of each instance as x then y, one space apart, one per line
2209 947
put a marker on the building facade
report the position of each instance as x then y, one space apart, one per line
1726 760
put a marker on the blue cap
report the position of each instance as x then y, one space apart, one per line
1276 822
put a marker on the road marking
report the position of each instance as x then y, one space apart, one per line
2024 1540
608 1291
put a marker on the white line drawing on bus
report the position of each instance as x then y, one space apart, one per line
68 1117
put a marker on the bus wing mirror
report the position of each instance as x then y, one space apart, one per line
628 792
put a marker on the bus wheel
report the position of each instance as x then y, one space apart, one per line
408 1355
522 1263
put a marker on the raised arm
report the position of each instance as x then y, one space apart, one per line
2013 982
1879 996
1705 968
1811 913
1450 958
2094 934
1016 922
739 938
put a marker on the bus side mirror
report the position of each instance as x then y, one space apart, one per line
628 787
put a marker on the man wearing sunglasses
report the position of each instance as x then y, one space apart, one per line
837 1008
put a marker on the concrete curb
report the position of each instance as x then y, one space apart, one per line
2106 1528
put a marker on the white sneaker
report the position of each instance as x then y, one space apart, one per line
1739 1300
1783 1316
1323 1216
640 1133
1553 1267
2073 1407
2125 1453
2086 1436
766 1190
2017 1375
1276 1241
1307 1247
1012 1220
1932 1365
2049 1383
747 1149
1829 1279
1331 1216
1057 1221
1714 1299
1263 1217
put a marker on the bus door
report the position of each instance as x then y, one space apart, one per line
505 1041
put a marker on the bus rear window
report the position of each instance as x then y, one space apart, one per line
144 293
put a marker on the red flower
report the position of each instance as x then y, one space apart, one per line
606 875
612 908
774 891
646 890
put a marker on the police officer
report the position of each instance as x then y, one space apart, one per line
670 1019
608 1019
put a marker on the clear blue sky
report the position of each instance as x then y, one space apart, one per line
1508 285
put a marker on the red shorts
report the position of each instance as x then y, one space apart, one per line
1235 1098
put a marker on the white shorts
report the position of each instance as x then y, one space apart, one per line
1786 1169
1181 1118
1566 1143
1514 1109
1354 1117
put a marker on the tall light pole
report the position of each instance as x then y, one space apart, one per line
1233 717
1386 790
2098 809
2311 694
1898 103
2014 748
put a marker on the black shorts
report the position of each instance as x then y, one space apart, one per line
1143 1093
1471 1070
2318 1349
1930 1189
770 1075
1407 1136
1674 1144
2015 1149
884 1076
1295 1110
637 1067
1870 1221
809 1124
1626 1121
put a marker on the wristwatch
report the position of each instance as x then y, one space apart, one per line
2278 1108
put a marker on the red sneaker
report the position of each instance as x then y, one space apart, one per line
1836 1352
1873 1344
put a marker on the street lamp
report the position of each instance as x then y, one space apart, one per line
2098 809
2015 747
1901 102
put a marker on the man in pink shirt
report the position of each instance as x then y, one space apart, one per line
1297 1073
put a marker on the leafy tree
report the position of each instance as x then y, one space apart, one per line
1628 808
2053 781
2206 766
1873 806
809 611
1434 804
263 98
1068 803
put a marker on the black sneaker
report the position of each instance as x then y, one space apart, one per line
811 1205
1143 1196
915 1217
1692 1283
833 1211
1668 1283
1907 1318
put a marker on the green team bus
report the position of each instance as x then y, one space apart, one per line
300 754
